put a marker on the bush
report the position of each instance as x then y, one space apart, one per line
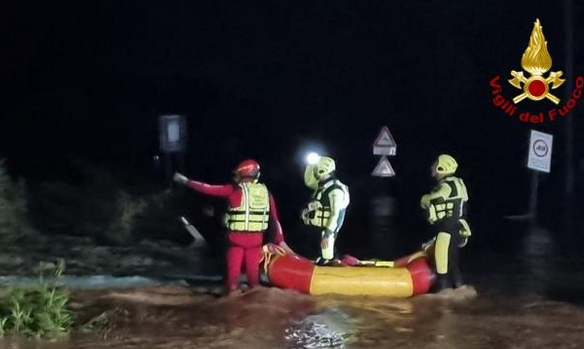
38 311
159 220
98 205
13 204
95 207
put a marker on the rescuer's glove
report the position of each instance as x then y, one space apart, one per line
274 249
464 232
179 178
304 216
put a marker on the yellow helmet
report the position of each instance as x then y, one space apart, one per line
324 166
446 164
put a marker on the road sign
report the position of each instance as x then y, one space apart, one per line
384 144
173 133
383 169
540 151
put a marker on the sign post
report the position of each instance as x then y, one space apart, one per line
383 168
383 204
173 142
539 160
540 151
173 133
384 145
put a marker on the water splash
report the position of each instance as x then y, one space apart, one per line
328 330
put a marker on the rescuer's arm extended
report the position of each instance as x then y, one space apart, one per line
309 178
213 190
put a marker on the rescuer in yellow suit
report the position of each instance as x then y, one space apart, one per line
326 210
446 209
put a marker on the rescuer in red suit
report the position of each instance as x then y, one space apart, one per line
251 207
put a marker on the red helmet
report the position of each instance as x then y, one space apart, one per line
248 168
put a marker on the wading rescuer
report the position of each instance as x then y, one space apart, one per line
251 208
326 211
446 209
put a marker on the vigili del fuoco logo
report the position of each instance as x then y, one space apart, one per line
536 84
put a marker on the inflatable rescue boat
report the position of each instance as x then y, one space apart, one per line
405 277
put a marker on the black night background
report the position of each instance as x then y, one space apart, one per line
85 81
265 80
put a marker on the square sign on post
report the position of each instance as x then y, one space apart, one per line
540 151
173 133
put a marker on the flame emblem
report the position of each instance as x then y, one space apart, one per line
536 60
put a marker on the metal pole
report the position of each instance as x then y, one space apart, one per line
181 161
569 148
533 198
168 168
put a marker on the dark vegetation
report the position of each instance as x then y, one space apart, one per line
37 311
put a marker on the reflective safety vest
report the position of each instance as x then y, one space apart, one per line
253 213
319 209
453 206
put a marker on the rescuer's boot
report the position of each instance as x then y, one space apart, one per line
442 283
321 262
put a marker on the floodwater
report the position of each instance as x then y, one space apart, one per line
514 303
168 317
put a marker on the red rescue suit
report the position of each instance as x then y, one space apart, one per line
245 247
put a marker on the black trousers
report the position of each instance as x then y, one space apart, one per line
312 237
446 253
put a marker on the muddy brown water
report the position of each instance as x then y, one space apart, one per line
519 302
173 317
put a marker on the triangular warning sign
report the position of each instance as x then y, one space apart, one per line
383 169
385 139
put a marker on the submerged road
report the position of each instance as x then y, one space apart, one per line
528 303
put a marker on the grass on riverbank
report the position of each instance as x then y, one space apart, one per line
38 311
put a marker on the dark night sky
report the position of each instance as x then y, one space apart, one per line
265 78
